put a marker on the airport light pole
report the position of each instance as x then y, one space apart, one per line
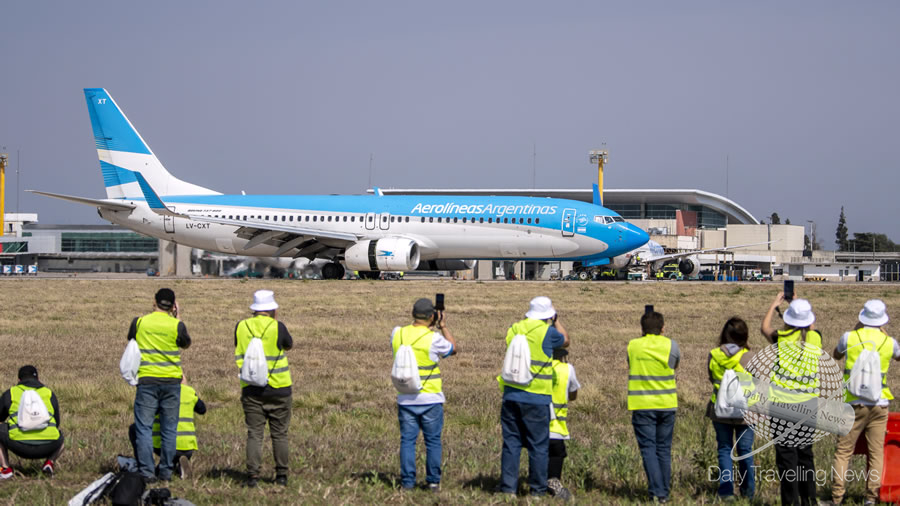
600 157
3 159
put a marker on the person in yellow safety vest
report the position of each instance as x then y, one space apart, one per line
733 353
46 443
271 403
525 412
160 336
652 360
565 390
423 410
796 465
186 440
871 417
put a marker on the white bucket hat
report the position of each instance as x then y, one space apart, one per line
874 313
541 309
799 314
264 300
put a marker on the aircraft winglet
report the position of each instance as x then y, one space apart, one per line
596 199
156 204
377 191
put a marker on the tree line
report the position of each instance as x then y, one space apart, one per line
861 241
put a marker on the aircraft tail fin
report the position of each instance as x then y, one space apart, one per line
596 195
123 153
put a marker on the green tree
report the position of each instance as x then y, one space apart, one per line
775 219
841 234
787 221
865 241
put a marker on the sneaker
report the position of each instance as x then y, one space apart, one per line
252 482
184 468
281 480
434 488
6 473
48 468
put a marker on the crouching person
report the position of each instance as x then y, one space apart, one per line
34 435
186 433
565 390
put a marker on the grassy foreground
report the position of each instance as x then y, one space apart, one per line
344 429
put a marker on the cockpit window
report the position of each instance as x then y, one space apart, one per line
618 219
599 219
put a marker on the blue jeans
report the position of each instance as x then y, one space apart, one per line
525 425
653 430
726 434
430 419
148 401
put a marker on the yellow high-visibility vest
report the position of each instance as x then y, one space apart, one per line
49 433
156 337
186 433
651 382
719 363
265 328
541 364
560 398
881 343
419 338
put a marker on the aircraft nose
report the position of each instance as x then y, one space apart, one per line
633 237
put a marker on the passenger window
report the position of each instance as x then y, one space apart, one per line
529 221
505 220
537 220
521 220
480 220
490 220
407 219
345 219
314 218
352 219
431 219
439 219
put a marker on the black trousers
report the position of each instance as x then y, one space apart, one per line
798 472
557 456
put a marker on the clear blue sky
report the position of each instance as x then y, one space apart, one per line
292 97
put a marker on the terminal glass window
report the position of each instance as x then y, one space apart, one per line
659 211
627 211
107 242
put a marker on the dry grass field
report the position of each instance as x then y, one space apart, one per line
344 429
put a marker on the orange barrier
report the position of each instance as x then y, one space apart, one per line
890 473
890 479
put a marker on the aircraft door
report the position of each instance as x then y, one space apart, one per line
385 221
568 223
169 223
370 221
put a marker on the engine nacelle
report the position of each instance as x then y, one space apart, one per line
446 265
388 254
689 266
621 261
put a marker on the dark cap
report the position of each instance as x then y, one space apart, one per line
165 298
423 309
560 353
27 372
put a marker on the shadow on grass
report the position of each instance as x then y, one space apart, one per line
389 480
228 474
484 482
617 489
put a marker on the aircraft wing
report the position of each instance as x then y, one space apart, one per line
258 228
116 206
673 256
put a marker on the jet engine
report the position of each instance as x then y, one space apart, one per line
446 265
621 261
388 254
689 266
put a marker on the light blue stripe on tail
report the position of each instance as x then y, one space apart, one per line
112 130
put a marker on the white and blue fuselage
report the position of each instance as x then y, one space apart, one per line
361 232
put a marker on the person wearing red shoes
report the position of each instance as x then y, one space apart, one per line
37 438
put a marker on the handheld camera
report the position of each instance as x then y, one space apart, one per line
789 290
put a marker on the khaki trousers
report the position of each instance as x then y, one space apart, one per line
277 412
871 420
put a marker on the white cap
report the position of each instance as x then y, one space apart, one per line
264 300
874 313
541 309
799 314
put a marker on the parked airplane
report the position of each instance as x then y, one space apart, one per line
654 256
365 233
